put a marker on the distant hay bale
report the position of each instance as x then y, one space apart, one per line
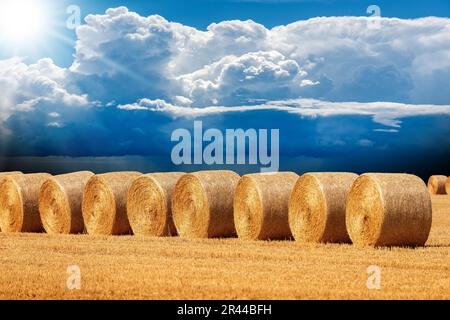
149 204
60 203
202 204
388 210
105 203
19 202
261 206
436 184
447 186
317 207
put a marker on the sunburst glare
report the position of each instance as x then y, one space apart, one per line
22 21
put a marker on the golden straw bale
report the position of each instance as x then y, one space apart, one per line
105 203
60 203
261 205
5 174
436 184
19 202
149 204
317 207
388 210
202 204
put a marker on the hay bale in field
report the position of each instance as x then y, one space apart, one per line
104 205
447 186
261 205
317 207
149 204
202 204
19 202
388 210
6 174
436 184
60 203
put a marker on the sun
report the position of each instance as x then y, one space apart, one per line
21 20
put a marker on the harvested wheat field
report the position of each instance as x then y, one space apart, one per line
34 266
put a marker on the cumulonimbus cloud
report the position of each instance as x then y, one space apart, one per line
336 58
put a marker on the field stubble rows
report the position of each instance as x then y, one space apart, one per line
33 266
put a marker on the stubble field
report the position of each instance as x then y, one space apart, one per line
34 266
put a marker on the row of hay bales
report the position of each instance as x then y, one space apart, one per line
373 209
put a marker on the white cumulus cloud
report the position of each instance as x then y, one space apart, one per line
337 59
24 86
235 79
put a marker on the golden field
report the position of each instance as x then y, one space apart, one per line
34 266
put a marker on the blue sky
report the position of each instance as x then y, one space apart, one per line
346 94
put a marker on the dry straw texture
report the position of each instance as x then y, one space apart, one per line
19 202
436 184
149 204
261 205
202 204
447 186
317 207
60 203
389 210
105 203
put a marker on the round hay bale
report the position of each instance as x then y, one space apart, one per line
261 206
202 204
19 202
149 204
60 203
317 207
104 204
436 184
447 186
388 210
